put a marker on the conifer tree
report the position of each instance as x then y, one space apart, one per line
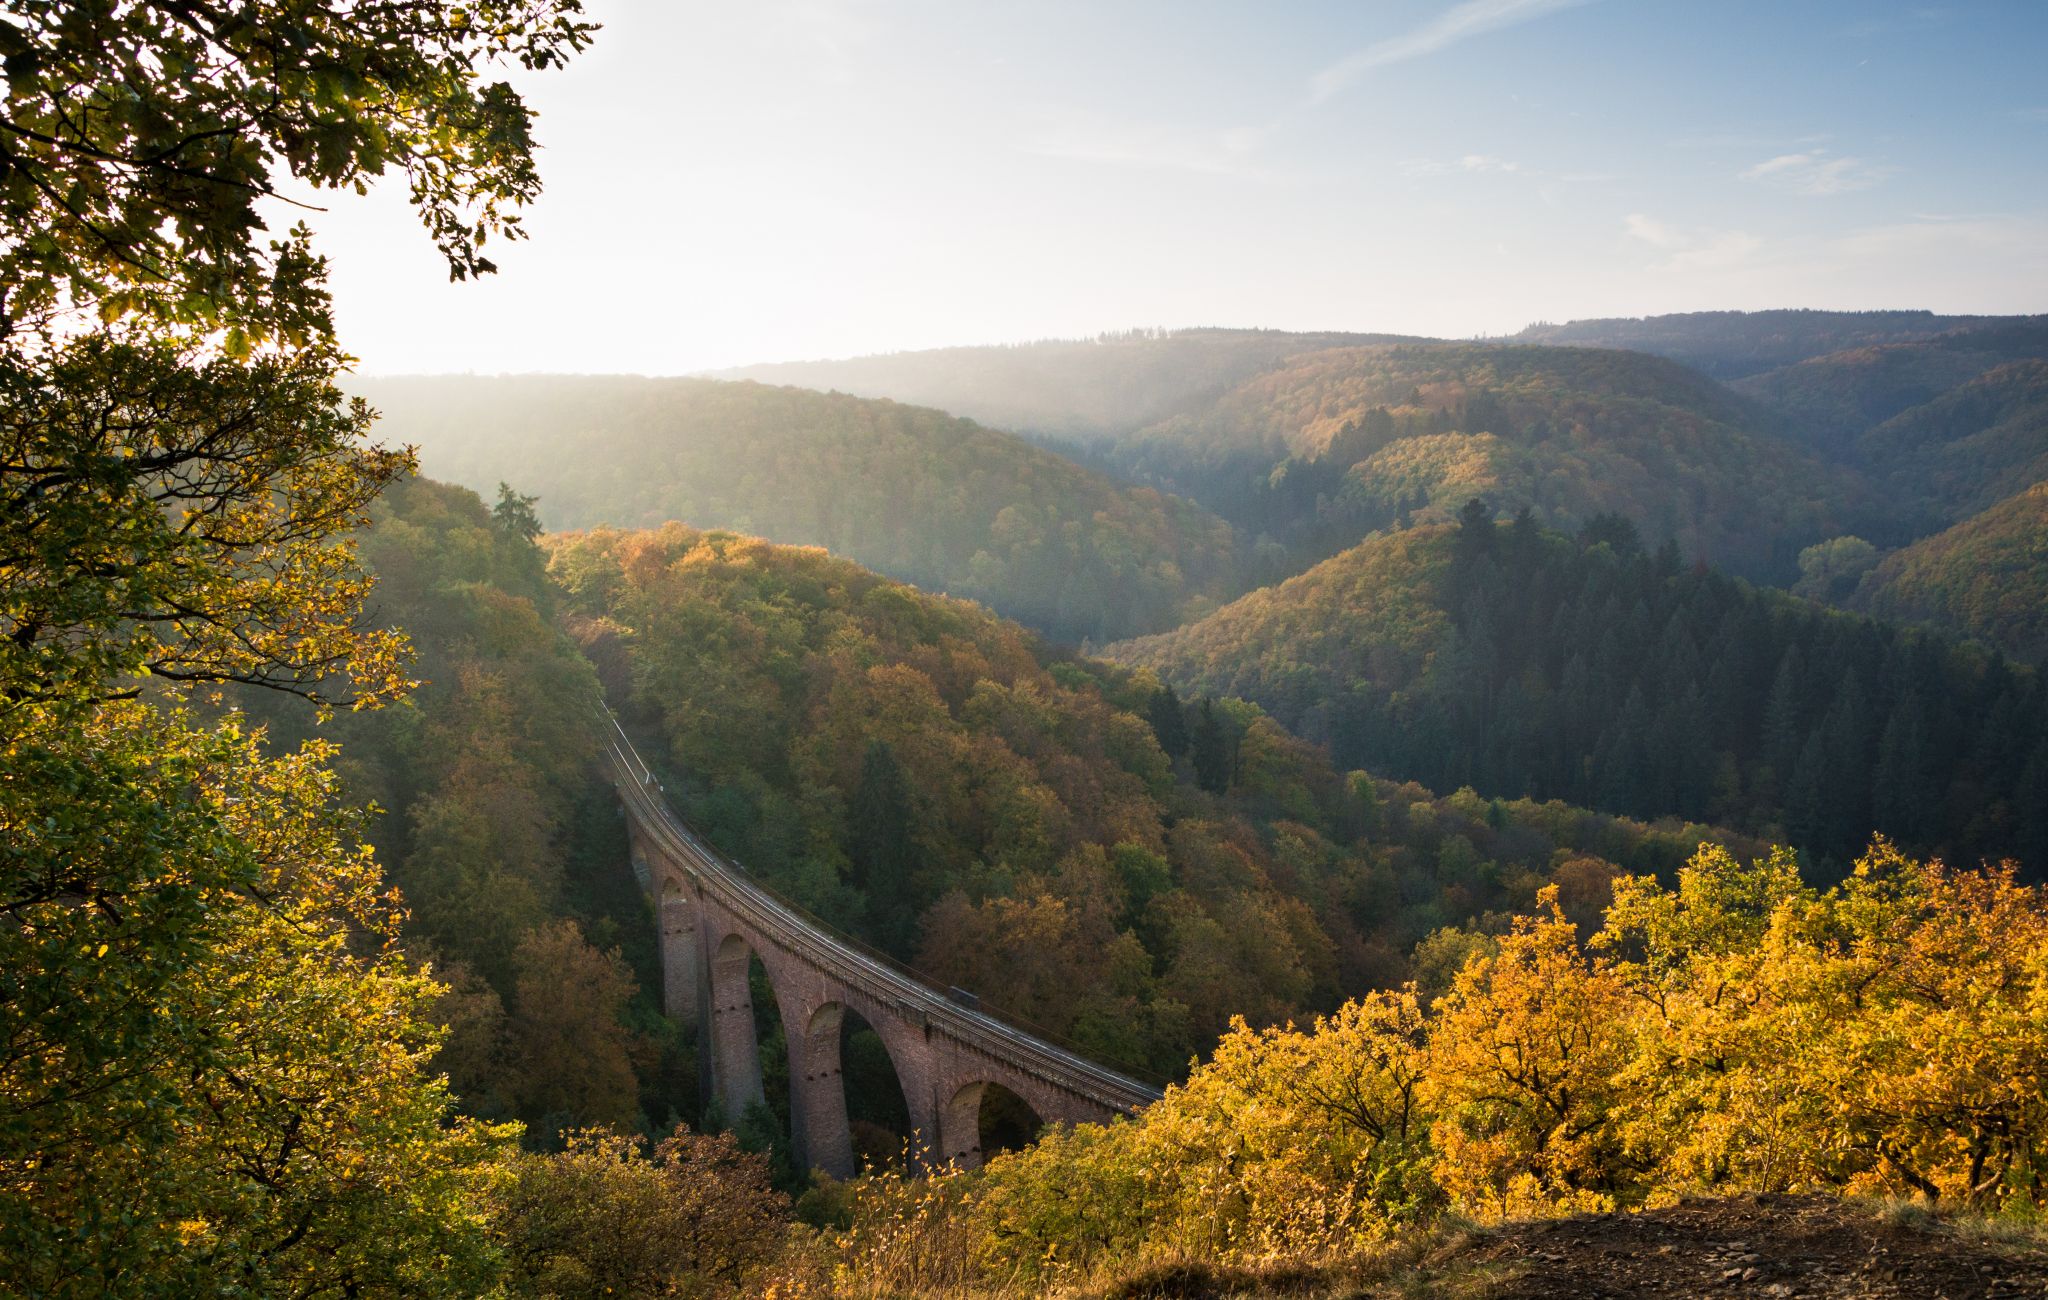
1210 748
1169 721
883 847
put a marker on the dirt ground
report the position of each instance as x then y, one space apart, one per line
1766 1247
1813 1247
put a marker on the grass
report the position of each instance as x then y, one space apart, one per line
2017 1232
1436 1263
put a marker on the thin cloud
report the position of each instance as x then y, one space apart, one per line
1747 140
1458 23
1719 252
1653 232
1471 163
1813 172
1092 139
1692 250
1913 20
1930 233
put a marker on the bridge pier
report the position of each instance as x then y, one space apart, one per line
960 1127
735 1052
817 1103
643 862
683 994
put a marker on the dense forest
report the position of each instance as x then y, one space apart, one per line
1519 661
916 493
1302 447
1125 868
1971 447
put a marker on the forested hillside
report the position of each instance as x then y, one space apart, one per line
1987 577
1083 849
1317 452
1080 389
916 493
497 828
1518 660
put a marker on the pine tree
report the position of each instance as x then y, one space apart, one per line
1617 531
1782 737
1845 736
514 514
1806 809
1525 538
1476 536
882 847
1898 786
1211 749
1169 721
1669 562
1624 761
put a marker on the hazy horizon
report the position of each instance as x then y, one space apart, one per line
737 369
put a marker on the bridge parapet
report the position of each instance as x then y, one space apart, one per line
713 916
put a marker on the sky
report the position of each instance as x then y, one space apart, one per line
730 183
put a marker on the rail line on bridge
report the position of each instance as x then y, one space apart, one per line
714 918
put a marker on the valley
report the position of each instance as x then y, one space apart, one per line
1529 672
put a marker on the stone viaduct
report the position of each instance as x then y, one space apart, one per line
714 919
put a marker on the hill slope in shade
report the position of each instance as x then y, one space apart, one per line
1518 661
1410 432
1986 577
921 495
1969 448
1829 399
1083 390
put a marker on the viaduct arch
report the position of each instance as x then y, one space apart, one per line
714 920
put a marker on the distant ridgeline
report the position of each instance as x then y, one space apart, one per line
1733 344
1521 661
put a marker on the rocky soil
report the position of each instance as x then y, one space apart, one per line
1816 1248
1765 1247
